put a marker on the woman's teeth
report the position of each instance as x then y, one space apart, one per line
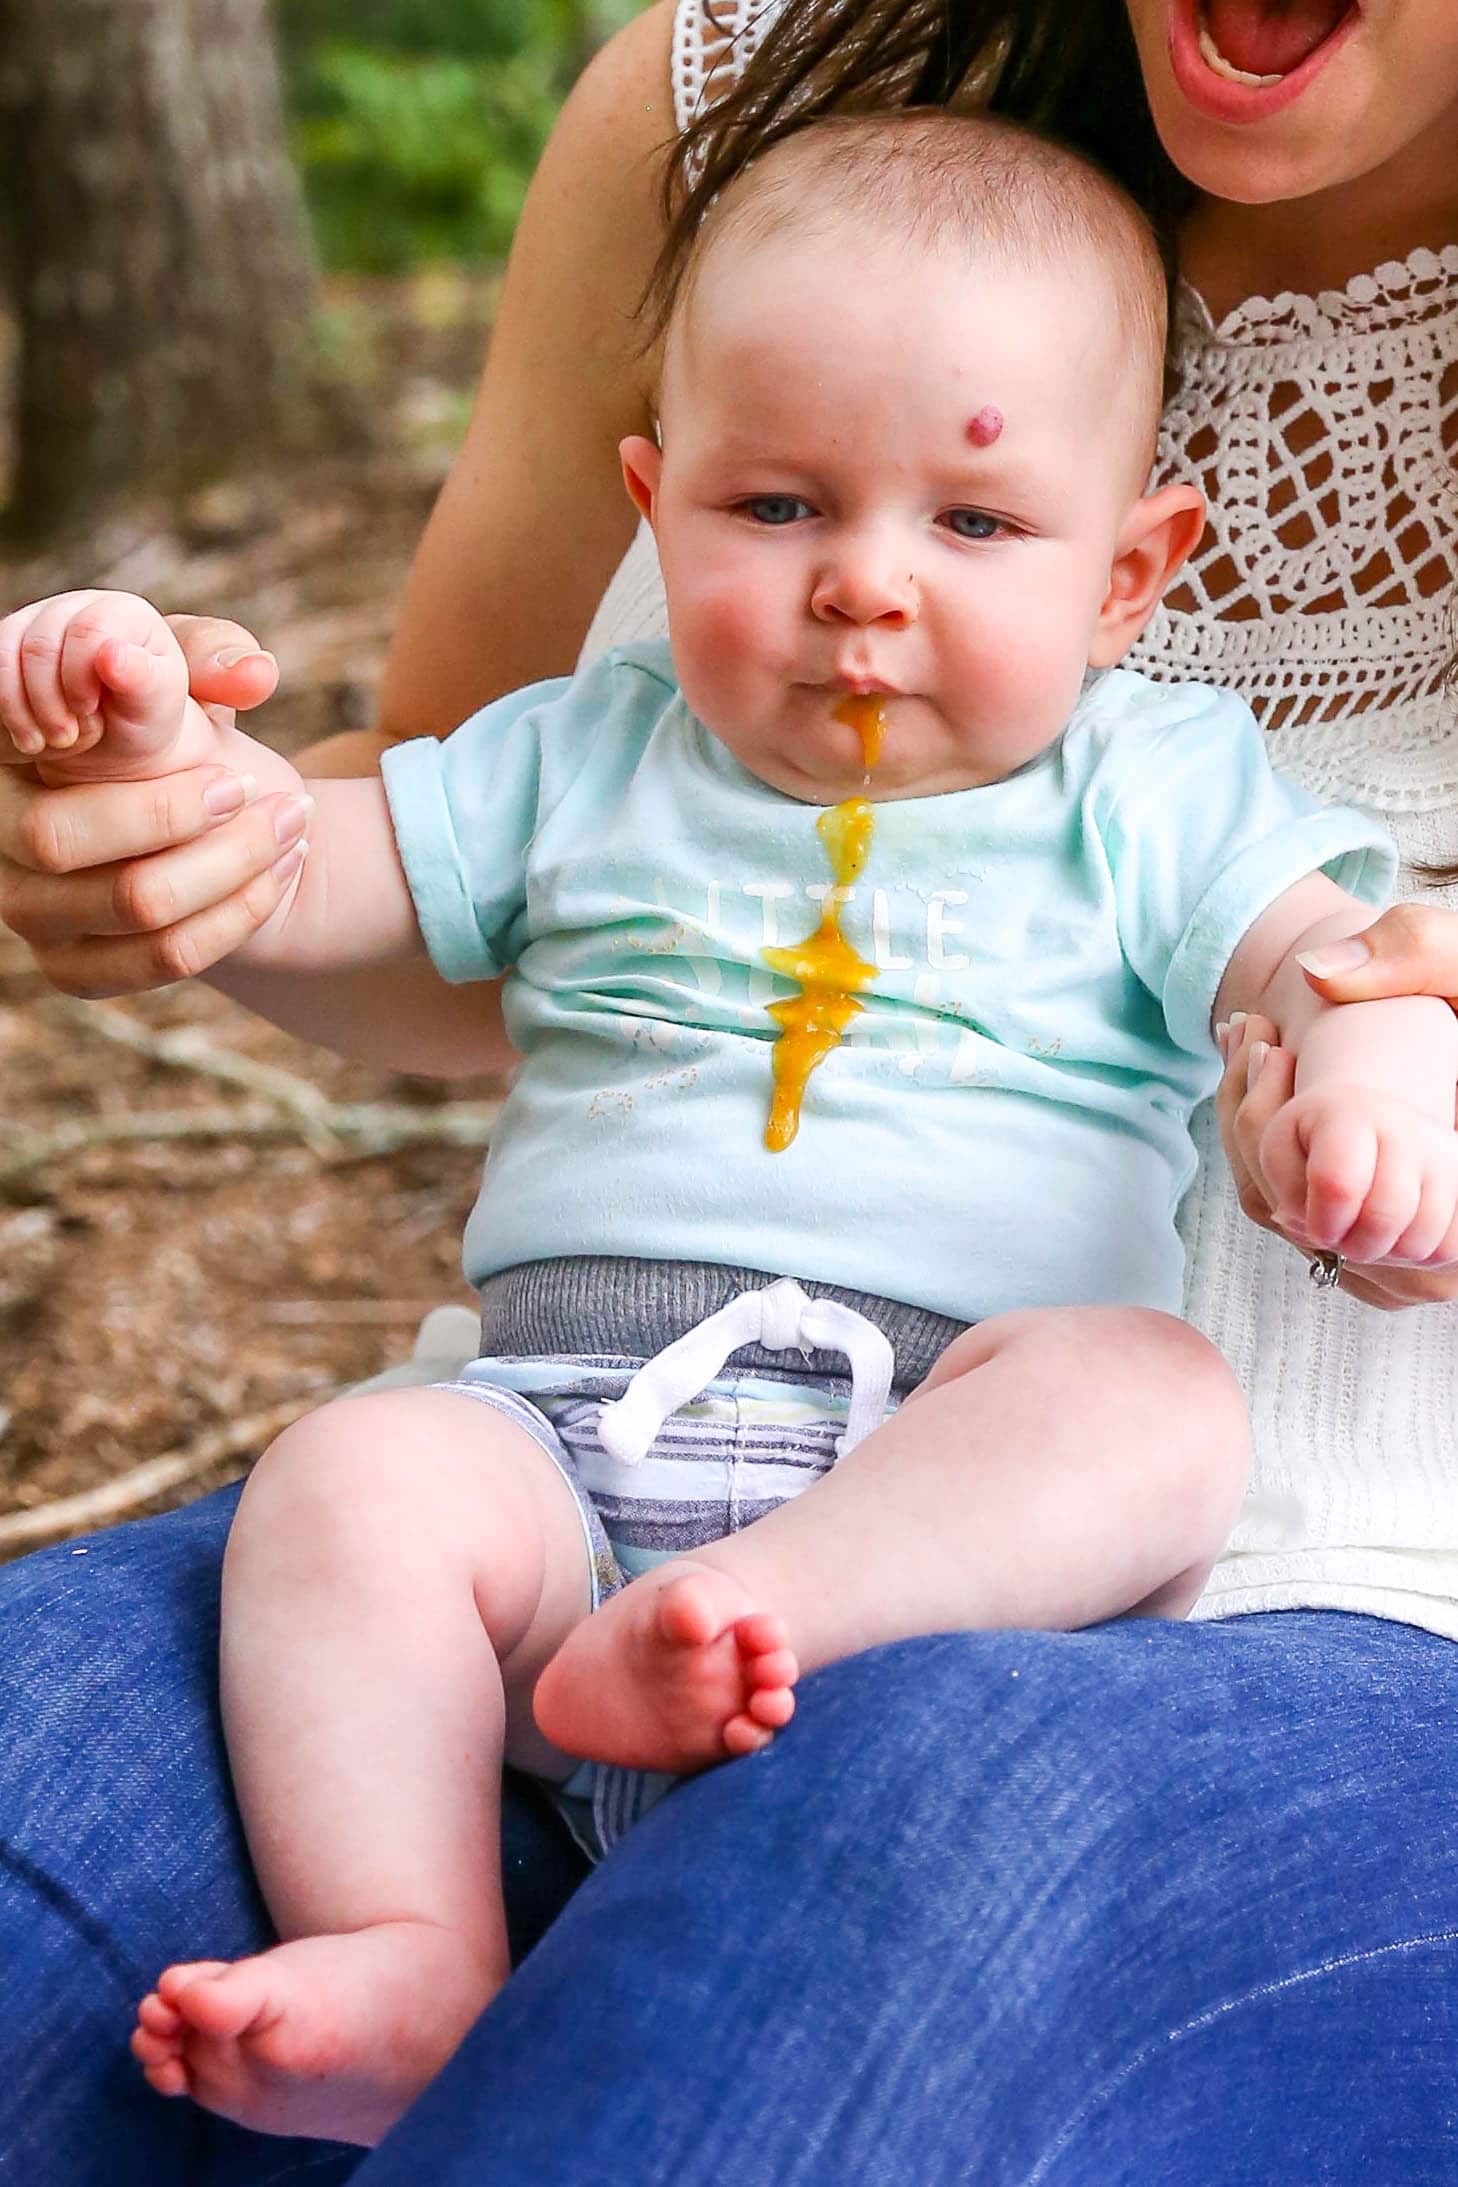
1215 60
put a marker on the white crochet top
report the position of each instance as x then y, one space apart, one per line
1322 429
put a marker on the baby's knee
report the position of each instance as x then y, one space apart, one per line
335 1472
1138 1377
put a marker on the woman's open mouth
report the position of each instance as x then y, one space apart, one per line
1240 60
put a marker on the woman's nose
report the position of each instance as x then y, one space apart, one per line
864 584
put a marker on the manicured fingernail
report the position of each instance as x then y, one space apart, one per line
1222 1034
229 794
286 867
292 818
224 797
1259 1050
232 655
1335 957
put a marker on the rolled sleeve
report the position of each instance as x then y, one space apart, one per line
1202 835
464 814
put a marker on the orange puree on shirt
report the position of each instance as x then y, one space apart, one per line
825 966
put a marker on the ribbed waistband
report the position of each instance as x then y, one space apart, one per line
603 1304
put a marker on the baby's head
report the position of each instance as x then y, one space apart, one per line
910 384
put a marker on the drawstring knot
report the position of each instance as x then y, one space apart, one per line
782 1318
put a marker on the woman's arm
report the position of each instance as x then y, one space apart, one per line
523 540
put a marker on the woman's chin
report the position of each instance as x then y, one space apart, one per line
1258 143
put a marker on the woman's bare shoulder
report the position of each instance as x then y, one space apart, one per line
533 519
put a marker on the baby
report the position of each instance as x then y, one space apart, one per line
908 396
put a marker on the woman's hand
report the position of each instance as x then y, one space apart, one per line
122 886
1411 950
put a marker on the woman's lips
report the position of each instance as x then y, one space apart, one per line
1222 83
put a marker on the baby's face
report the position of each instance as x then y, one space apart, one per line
888 471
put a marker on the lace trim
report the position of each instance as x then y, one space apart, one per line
1396 293
1323 431
713 42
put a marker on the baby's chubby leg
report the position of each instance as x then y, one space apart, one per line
1055 1468
400 1569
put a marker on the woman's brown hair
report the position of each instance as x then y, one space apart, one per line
1067 70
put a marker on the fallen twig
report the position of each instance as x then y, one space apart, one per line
94 1506
189 1048
350 1313
350 1132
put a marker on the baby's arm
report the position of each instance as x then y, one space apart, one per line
1364 1155
93 686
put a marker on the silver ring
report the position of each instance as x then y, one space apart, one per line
1326 1270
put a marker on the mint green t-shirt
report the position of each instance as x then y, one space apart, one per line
1005 1125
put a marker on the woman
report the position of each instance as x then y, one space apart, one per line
1154 1902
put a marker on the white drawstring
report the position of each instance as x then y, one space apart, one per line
781 1317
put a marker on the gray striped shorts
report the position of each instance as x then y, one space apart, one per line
745 1444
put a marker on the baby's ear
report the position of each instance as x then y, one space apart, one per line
642 461
1158 533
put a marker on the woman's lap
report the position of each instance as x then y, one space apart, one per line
120 1849
1146 1903
1154 1903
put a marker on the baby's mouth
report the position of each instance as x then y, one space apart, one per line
1263 41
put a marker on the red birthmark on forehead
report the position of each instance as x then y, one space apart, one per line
984 429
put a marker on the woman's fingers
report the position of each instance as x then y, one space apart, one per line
63 831
57 912
95 968
226 665
1259 1079
1391 1289
1411 950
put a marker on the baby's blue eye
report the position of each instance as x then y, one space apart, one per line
776 508
972 524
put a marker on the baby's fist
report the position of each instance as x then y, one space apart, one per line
1362 1172
93 686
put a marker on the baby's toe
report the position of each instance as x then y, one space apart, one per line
217 1997
685 1613
153 2050
157 2017
173 1980
742 1735
779 1668
772 1706
167 2073
761 1633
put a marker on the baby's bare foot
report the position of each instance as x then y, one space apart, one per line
678 1671
329 2036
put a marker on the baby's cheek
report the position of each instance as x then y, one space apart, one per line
719 635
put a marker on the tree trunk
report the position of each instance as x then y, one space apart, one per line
159 263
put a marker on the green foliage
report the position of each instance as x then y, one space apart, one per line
417 123
420 158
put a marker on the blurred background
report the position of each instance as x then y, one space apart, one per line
249 255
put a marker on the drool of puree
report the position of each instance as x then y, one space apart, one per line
825 966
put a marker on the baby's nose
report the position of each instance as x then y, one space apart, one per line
865 585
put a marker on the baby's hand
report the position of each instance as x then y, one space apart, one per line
93 687
1364 1173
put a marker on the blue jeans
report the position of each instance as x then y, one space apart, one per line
1155 1904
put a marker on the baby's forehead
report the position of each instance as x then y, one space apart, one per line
772 311
795 300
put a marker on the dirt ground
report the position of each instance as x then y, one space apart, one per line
206 1226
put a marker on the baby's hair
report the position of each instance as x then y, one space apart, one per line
974 182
